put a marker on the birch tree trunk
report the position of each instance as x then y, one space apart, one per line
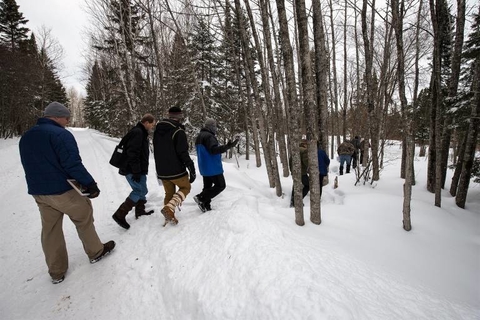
397 22
277 101
294 110
309 106
321 70
368 40
268 143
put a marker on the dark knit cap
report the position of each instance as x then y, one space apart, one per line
175 113
56 110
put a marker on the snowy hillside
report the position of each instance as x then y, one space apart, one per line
246 259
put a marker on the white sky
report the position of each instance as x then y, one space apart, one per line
247 259
67 21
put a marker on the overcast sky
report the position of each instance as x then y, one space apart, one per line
67 21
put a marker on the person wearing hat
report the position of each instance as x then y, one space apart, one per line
50 156
209 156
170 150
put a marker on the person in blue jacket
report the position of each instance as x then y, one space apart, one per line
209 156
50 156
323 163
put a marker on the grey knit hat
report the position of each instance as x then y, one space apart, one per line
211 125
56 110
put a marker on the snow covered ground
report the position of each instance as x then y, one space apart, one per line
247 259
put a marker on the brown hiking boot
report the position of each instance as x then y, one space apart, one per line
121 213
107 248
169 216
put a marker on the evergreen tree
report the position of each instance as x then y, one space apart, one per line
11 21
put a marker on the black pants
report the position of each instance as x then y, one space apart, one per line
212 186
306 187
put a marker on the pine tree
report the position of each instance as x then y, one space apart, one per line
11 21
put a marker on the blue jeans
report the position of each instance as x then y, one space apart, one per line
139 189
345 158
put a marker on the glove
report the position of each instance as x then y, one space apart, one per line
136 177
93 190
232 144
193 175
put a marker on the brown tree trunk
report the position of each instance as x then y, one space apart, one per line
287 53
472 135
309 106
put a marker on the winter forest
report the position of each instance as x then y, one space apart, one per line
273 72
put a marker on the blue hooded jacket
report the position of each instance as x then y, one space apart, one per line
209 153
50 156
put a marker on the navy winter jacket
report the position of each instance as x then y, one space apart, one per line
323 162
209 153
50 156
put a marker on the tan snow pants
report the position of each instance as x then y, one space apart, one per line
79 210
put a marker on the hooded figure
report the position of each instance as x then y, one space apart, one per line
209 156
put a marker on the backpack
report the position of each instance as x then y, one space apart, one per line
119 156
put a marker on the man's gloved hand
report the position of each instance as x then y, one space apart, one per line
93 190
233 143
193 175
136 177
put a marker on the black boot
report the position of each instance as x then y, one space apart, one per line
140 209
341 170
121 213
348 168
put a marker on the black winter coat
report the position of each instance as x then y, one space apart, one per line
137 151
170 149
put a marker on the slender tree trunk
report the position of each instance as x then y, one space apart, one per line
437 102
287 53
372 112
309 106
458 167
453 85
334 69
321 70
397 22
472 136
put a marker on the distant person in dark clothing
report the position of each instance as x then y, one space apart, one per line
345 151
50 156
209 156
323 163
171 162
356 144
135 170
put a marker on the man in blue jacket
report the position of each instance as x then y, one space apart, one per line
209 156
50 156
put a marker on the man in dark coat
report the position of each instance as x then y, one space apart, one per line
135 170
171 162
356 144
209 156
345 151
50 156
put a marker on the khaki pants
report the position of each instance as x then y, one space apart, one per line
79 210
169 185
